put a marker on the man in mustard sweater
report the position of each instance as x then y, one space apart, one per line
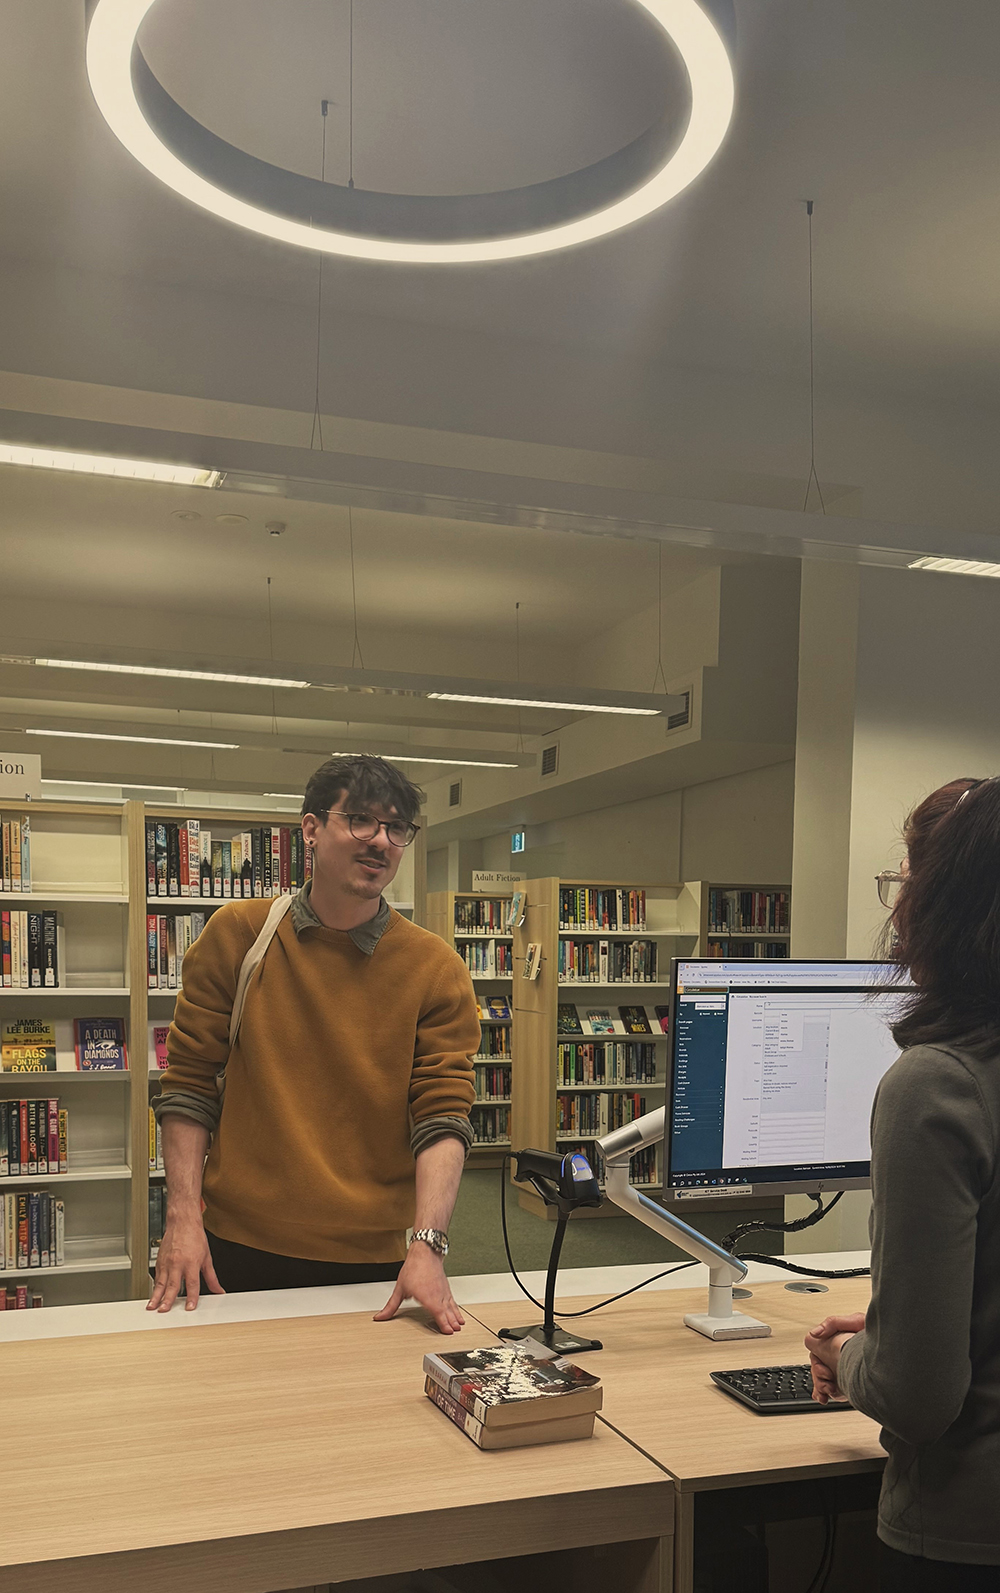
347 1092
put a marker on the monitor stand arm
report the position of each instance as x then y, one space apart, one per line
720 1321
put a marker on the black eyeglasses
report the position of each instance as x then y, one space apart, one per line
365 827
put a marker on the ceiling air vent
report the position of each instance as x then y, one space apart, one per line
455 795
550 759
683 715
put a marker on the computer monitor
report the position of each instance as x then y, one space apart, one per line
773 1068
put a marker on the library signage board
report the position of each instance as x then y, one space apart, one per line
484 883
20 776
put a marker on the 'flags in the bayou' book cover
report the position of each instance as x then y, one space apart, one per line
100 1044
28 1046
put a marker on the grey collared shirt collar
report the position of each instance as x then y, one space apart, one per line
365 936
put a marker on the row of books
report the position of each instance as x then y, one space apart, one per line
492 1083
512 1397
33 1231
15 854
34 1138
592 908
621 1062
168 937
747 948
607 962
29 950
157 1218
573 1019
155 1144
643 1169
736 911
489 959
186 860
490 1125
19 1299
28 1045
483 916
494 1042
597 1114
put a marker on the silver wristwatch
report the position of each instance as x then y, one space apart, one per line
437 1240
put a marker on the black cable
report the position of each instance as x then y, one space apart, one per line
805 1272
566 1315
809 1221
822 1571
732 1240
833 1549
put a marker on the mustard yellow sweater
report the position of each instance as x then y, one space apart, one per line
337 1051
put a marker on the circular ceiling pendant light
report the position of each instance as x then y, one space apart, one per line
411 228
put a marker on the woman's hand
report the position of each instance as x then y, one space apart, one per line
824 1344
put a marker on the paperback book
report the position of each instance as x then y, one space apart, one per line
100 1045
28 1046
513 1396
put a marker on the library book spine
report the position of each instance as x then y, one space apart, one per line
35 951
59 1214
32 1136
205 840
150 858
173 861
50 950
152 952
454 1411
52 1136
5 948
161 860
184 868
22 1232
63 1141
4 1140
194 857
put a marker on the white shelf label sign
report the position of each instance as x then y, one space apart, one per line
483 884
21 776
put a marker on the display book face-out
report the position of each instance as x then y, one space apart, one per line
516 1395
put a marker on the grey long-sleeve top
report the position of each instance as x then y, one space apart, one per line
927 1366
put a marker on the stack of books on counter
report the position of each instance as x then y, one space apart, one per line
510 1397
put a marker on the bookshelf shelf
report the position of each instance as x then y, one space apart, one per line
482 935
610 1089
747 934
615 984
492 979
59 895
107 1263
61 1075
64 991
111 1173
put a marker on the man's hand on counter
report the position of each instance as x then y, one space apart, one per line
423 1278
183 1258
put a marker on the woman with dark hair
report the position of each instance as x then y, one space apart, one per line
925 1361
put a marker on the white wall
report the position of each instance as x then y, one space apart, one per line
737 830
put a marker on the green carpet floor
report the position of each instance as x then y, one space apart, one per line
477 1238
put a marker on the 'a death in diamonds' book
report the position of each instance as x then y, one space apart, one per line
514 1385
100 1044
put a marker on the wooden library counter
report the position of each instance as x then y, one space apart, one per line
657 1391
245 1455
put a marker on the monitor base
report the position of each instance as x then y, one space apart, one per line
736 1326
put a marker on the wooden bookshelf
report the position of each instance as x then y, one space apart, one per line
672 924
445 914
739 943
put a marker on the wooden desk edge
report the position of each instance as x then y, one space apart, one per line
379 1547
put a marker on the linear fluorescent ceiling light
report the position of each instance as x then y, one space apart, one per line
152 741
143 116
172 674
122 785
956 566
108 465
449 763
527 702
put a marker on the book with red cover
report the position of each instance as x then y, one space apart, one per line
512 1385
516 1437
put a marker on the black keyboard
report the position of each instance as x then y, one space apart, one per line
774 1390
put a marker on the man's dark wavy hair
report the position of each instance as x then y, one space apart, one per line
945 926
365 783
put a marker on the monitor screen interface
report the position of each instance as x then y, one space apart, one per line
774 1069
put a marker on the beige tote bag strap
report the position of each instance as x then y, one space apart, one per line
253 960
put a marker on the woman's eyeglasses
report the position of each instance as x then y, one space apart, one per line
888 883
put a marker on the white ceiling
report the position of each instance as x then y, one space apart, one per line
885 112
